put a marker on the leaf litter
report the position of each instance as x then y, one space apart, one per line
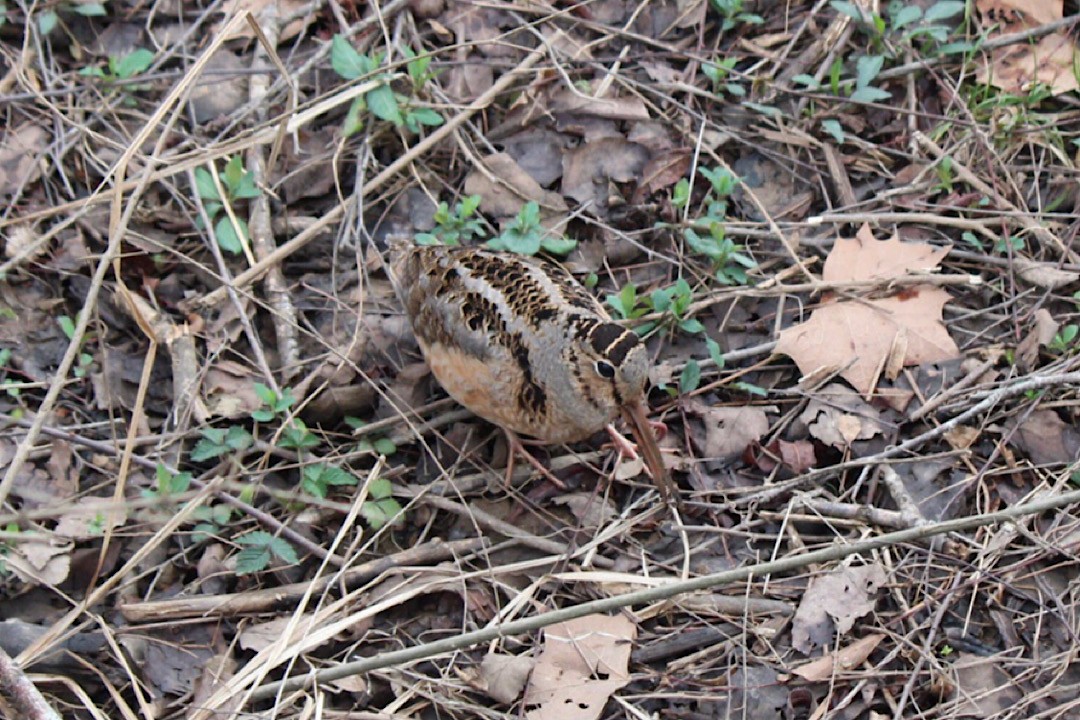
871 217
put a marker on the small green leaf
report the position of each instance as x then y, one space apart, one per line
204 185
834 129
92 71
384 105
690 377
426 116
265 394
906 16
226 235
385 446
944 10
378 513
869 95
91 9
692 326
346 62
354 119
380 488
284 551
237 438
252 560
47 21
558 245
867 67
67 326
680 196
134 63
714 352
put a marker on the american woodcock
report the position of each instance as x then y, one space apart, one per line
523 345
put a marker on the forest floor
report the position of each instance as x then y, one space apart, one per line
847 233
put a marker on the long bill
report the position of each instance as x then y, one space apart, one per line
638 420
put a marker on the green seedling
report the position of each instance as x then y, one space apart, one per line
296 436
381 508
259 548
718 73
457 227
239 184
274 403
371 443
121 68
216 442
526 236
1063 340
732 14
317 479
381 101
86 361
728 261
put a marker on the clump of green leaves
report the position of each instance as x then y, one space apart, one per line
239 184
381 508
1064 339
371 443
259 548
454 228
86 361
121 68
907 24
297 436
167 484
274 403
382 101
526 236
732 14
47 20
9 386
216 442
718 73
690 378
727 258
318 478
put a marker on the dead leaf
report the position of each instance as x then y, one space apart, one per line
866 258
86 523
833 602
1016 68
229 390
961 437
588 169
1044 275
838 417
860 335
982 687
845 659
1047 439
503 677
1042 334
583 662
591 510
538 151
728 430
19 151
23 243
281 8
40 562
575 102
504 188
221 88
798 456
661 172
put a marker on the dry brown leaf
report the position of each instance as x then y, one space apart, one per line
40 562
728 430
1044 275
587 170
503 677
798 456
982 687
833 602
19 149
281 8
1047 439
961 437
583 662
858 336
843 660
866 258
577 103
1015 68
229 390
504 188
1043 332
87 523
591 510
838 417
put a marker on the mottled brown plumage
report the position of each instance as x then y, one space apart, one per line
523 345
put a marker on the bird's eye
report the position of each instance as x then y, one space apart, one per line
605 369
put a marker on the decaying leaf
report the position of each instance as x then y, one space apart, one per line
503 677
583 662
833 602
859 336
1047 439
728 430
837 416
19 150
845 659
505 188
1048 60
